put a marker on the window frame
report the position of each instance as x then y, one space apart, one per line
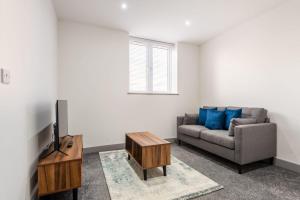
150 44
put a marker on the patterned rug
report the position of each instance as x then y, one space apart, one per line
124 179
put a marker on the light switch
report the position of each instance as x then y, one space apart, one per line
5 76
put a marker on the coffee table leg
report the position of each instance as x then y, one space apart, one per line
165 170
75 194
128 157
145 174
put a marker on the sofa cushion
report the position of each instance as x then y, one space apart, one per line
218 108
239 121
215 119
190 119
203 114
219 137
192 130
260 114
230 114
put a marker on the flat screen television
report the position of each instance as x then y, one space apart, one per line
61 125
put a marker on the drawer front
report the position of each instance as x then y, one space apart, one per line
59 177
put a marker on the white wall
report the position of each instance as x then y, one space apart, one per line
93 77
258 64
28 49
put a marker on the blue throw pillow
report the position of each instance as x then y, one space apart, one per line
231 114
202 115
215 120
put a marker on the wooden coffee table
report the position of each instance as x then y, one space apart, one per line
148 150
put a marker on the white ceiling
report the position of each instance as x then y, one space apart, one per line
164 20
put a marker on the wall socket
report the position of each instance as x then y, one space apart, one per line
5 76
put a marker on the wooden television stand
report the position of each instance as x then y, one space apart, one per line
60 172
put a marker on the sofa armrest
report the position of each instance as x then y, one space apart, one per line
180 120
254 142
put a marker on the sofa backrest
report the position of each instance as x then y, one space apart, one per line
260 114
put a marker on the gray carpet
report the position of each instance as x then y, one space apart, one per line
260 180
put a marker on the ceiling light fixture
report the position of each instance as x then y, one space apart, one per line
124 6
187 23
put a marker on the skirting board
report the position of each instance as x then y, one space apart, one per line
104 148
287 165
113 147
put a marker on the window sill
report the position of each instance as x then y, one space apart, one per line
153 93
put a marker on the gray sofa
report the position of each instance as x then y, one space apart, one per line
250 143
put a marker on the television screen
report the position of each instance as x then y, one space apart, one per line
62 117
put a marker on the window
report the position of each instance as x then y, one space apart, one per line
152 67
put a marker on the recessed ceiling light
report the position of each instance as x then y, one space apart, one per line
187 23
124 6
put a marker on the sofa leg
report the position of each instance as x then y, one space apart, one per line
271 161
240 169
179 142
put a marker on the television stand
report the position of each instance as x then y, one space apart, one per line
51 152
55 149
71 136
59 172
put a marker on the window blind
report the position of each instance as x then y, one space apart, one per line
138 67
151 67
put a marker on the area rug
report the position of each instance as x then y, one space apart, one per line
124 179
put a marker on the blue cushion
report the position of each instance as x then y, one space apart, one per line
231 114
202 115
215 119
